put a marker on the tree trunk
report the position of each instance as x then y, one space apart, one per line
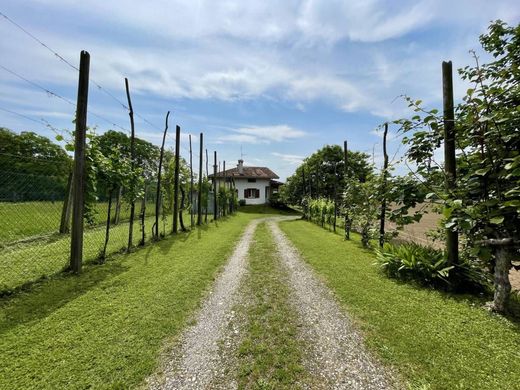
502 284
107 231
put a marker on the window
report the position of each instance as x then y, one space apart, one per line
251 193
251 180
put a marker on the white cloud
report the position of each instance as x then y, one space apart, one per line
289 158
262 134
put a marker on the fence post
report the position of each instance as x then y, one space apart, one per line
176 179
132 167
452 238
225 184
155 231
78 187
199 195
207 198
192 222
67 204
383 191
347 217
215 212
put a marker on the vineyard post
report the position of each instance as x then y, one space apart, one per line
452 238
155 231
176 178
78 187
225 184
215 213
207 194
192 222
67 205
335 195
132 167
199 194
347 218
142 215
383 190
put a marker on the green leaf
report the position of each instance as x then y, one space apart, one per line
497 220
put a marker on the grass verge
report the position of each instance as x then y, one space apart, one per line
106 327
435 340
269 354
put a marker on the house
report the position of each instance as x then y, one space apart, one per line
255 185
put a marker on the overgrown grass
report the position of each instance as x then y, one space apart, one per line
435 340
106 327
269 354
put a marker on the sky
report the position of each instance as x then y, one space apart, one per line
269 81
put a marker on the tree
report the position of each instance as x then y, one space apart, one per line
29 158
485 206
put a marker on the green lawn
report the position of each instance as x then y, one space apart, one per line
434 340
269 354
107 327
22 220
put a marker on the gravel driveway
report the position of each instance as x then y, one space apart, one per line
205 355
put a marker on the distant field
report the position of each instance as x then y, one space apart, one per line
21 220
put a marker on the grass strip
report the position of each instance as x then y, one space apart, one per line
435 340
106 328
269 354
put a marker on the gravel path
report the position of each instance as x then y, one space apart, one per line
335 352
197 361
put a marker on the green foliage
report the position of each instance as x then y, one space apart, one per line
320 211
323 173
32 167
429 266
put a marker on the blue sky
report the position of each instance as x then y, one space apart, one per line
278 78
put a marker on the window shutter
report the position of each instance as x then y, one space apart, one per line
257 193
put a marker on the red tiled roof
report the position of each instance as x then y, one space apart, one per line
249 173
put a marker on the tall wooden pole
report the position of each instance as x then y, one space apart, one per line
176 179
78 185
225 185
132 166
155 231
215 211
199 195
347 217
452 238
207 194
192 221
383 191
67 205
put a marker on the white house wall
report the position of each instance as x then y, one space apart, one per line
242 184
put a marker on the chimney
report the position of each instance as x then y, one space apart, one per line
240 166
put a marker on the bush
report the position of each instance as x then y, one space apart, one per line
277 202
242 202
429 266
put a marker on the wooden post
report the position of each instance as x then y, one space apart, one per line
143 215
117 211
335 195
67 205
215 212
383 191
78 186
207 195
192 222
225 185
347 217
155 230
199 195
132 167
452 238
176 178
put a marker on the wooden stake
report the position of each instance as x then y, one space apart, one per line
452 238
192 222
78 187
176 178
207 195
132 167
199 195
383 191
215 211
155 229
67 205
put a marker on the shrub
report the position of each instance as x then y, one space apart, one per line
277 202
242 202
429 266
